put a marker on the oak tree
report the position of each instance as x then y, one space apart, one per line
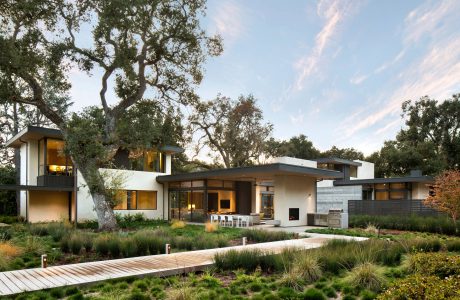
133 49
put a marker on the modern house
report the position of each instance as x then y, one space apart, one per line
359 185
52 189
284 190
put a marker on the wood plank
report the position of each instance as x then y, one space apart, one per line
68 278
13 287
4 289
22 282
50 277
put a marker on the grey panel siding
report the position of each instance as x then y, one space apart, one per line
243 191
337 197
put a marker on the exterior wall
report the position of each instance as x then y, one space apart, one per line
23 181
133 180
420 190
47 206
365 171
33 162
294 161
294 192
337 197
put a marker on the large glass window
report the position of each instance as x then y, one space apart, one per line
149 161
52 159
392 191
354 171
136 200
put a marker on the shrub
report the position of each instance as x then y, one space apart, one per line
366 275
34 245
113 245
64 245
76 243
453 245
58 230
421 286
329 292
182 242
101 245
313 294
5 234
87 242
247 260
438 264
129 247
205 242
287 293
441 224
261 236
368 295
211 226
7 249
142 241
38 229
177 224
305 266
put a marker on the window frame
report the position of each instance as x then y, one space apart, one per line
129 197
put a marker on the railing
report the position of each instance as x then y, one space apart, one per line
390 207
55 181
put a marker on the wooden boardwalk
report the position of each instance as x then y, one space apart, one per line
14 282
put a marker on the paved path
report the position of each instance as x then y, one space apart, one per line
14 282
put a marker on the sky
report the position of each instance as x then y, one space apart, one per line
336 71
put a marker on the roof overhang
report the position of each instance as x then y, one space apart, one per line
14 187
336 160
261 172
33 133
171 149
421 179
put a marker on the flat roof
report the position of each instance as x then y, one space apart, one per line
36 133
33 133
260 172
424 179
17 187
337 160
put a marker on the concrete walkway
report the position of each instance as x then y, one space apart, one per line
26 280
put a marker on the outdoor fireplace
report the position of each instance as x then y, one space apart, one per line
293 214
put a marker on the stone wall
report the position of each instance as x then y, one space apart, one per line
336 197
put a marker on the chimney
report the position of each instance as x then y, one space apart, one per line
415 173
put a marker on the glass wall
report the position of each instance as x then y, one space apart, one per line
136 200
193 201
392 191
52 159
147 160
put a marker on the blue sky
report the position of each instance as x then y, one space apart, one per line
334 70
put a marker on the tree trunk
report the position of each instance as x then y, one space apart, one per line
17 159
102 205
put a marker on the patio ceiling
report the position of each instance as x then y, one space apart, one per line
253 173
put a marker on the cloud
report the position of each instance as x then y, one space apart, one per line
435 73
358 79
298 118
227 20
386 65
333 12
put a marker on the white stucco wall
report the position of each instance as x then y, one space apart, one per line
294 161
365 171
47 206
132 180
294 192
23 181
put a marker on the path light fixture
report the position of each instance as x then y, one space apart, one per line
44 261
244 241
168 248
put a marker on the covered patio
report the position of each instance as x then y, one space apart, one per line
196 196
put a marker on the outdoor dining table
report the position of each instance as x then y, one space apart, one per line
232 220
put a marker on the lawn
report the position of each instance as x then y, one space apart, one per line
21 245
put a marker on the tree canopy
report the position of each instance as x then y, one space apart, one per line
142 49
233 128
430 142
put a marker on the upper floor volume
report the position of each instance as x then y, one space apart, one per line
44 158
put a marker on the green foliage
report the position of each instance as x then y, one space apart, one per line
297 146
262 236
366 276
224 123
8 205
441 224
76 243
429 142
101 245
345 153
453 245
248 260
419 286
313 294
438 264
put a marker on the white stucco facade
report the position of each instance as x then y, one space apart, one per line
294 192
